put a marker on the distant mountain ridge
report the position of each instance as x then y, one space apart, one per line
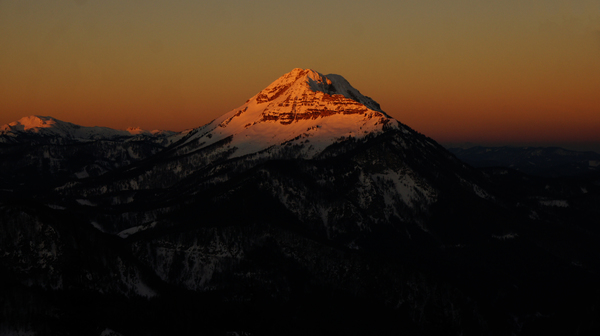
44 128
541 161
41 150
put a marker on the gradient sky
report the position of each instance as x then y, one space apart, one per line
499 71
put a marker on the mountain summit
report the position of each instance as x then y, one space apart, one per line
301 107
306 86
31 123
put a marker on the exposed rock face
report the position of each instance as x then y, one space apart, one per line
306 94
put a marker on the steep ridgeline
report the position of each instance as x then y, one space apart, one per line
307 210
302 115
38 151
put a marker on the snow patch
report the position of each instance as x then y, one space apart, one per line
480 192
110 332
132 154
133 230
534 215
8 331
506 236
82 174
555 203
97 226
85 202
576 263
410 191
56 207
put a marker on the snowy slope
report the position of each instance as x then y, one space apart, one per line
303 107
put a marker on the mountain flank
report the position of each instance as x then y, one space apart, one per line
306 210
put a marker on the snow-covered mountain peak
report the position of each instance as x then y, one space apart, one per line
137 131
302 107
43 126
31 122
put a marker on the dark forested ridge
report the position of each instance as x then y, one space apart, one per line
322 246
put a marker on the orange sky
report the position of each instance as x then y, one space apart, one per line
461 70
